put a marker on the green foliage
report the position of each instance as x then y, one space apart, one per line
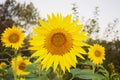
58 78
91 72
86 74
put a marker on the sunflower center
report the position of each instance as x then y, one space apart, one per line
58 42
13 38
97 53
22 66
58 39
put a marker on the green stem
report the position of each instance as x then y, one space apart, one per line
3 59
15 70
93 69
9 55
39 70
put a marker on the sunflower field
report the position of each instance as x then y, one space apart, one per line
57 48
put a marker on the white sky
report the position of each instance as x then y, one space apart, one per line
109 9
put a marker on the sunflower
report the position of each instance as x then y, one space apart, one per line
96 54
2 64
20 65
13 37
58 41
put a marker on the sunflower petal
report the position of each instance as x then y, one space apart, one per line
56 62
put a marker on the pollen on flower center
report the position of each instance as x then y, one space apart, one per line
58 39
13 38
22 66
97 53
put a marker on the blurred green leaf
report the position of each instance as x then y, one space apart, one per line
60 78
87 62
44 77
91 76
103 71
30 68
85 74
115 75
30 76
80 71
37 78
9 75
43 72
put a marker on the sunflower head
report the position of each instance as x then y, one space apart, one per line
96 54
13 37
58 41
2 64
20 65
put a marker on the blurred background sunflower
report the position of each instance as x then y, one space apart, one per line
13 37
20 65
96 54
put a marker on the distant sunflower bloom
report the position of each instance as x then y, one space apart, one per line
96 54
20 65
13 37
2 64
58 41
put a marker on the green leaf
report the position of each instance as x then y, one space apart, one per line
85 74
43 77
91 76
43 72
115 75
60 78
103 71
38 78
87 62
31 76
30 68
9 75
81 71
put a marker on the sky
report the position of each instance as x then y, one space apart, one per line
109 9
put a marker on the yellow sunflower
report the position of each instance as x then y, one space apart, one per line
2 64
58 41
13 37
20 65
96 54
